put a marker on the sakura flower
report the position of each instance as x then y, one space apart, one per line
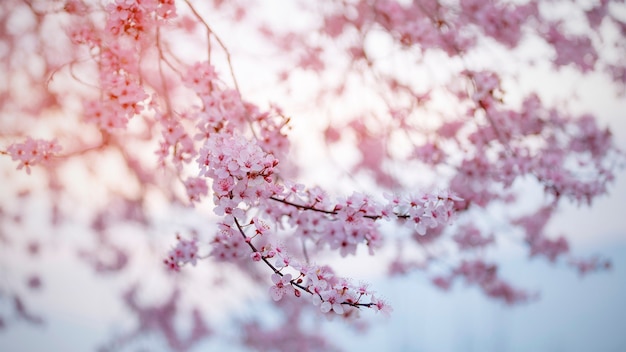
331 301
200 77
185 251
32 152
282 261
317 285
261 226
196 187
381 306
281 284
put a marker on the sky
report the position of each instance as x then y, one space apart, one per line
573 314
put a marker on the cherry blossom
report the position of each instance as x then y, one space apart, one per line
32 152
186 251
154 100
280 286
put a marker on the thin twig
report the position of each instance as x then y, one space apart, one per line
219 41
292 282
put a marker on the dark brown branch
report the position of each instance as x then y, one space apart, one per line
329 212
293 282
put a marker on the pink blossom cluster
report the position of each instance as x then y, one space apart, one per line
484 275
502 22
134 19
291 335
539 244
122 94
470 237
328 291
123 100
185 251
342 225
202 78
457 28
223 110
353 220
420 25
424 212
571 49
271 132
596 14
32 152
178 145
105 257
196 187
229 246
162 318
241 172
590 138
487 89
429 153
337 295
558 162
430 25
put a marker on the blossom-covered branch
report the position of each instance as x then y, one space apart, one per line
163 111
